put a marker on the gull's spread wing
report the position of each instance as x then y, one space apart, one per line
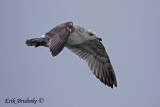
98 61
58 37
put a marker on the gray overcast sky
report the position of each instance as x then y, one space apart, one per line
130 30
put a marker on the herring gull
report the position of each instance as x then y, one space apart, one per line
84 43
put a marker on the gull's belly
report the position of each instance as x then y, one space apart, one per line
75 39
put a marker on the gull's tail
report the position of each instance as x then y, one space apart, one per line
43 41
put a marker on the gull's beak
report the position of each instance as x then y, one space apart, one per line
99 39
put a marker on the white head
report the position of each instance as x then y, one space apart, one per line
81 35
91 35
86 33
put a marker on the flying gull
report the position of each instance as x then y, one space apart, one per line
84 43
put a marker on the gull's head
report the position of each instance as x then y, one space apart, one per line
86 34
81 35
91 35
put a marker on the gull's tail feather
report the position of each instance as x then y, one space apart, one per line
38 42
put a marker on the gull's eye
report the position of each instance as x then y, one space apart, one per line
91 34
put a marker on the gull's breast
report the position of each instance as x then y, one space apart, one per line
75 38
